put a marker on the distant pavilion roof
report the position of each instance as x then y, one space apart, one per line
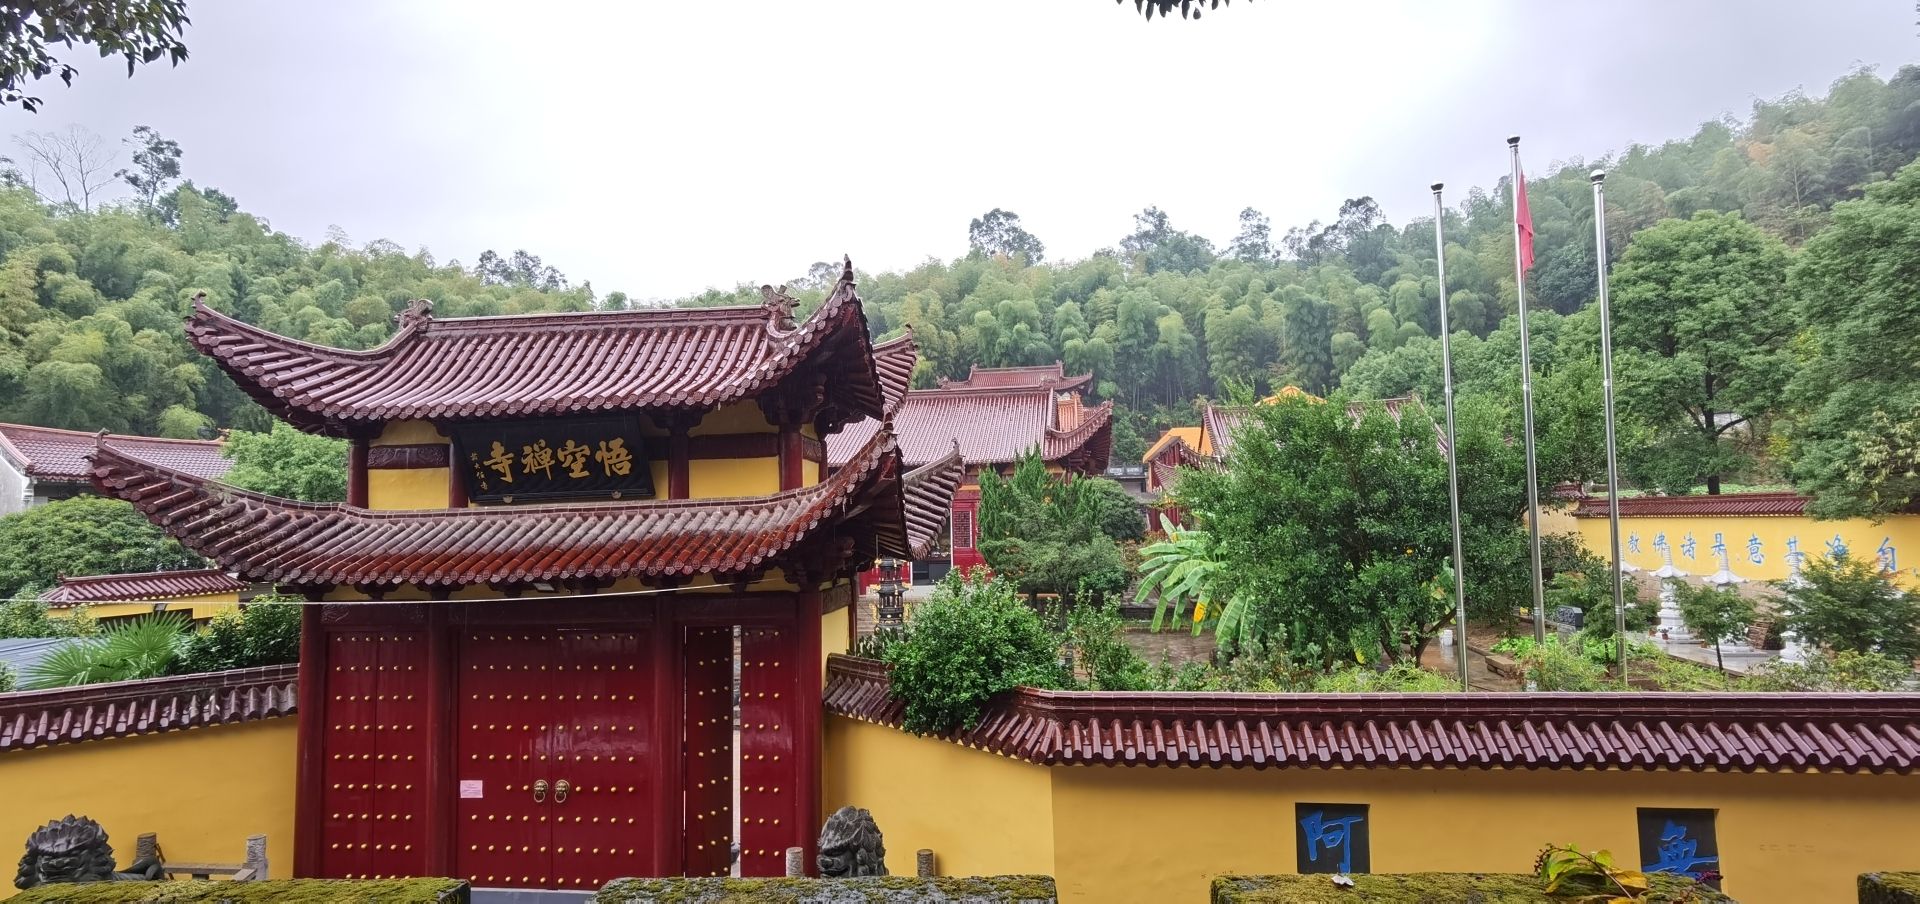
46 453
152 585
689 359
1045 376
306 544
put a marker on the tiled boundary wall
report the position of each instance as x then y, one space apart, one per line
1145 797
1761 532
201 761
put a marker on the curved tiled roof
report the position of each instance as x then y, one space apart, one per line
153 585
1785 503
1877 733
100 711
894 360
47 453
270 539
1193 437
991 427
1045 376
551 364
929 495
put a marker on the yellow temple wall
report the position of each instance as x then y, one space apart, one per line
833 633
739 417
199 608
981 814
408 488
1863 538
1119 834
709 478
202 791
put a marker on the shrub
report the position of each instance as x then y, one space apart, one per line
1589 591
1841 670
264 632
1847 604
1553 666
7 681
1098 638
127 651
1043 532
28 617
972 640
1671 674
1403 677
1714 614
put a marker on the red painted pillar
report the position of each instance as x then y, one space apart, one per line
677 459
357 472
810 744
792 457
441 701
311 766
669 733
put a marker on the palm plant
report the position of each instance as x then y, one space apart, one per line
129 651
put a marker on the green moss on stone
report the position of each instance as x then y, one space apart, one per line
1890 888
876 890
279 891
1427 888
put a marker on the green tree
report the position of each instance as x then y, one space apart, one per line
1714 614
286 462
969 642
1858 385
998 232
156 162
139 32
266 631
1044 532
1702 326
81 536
1850 605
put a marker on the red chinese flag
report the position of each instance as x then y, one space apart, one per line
1522 218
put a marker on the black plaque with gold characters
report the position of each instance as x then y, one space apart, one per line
553 458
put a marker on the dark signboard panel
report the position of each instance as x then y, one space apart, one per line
1331 838
1679 841
555 458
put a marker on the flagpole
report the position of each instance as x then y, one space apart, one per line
1526 408
1606 389
1453 444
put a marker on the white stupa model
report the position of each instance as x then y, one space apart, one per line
1672 626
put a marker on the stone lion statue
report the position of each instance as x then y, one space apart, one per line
75 849
850 845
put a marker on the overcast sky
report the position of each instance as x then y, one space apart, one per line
663 147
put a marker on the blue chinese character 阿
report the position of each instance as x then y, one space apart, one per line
1688 546
1754 554
1332 834
1889 557
1679 855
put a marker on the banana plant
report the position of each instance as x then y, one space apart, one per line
1180 570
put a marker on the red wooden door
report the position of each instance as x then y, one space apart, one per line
604 806
506 720
374 788
707 756
770 817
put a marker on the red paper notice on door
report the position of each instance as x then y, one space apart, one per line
471 788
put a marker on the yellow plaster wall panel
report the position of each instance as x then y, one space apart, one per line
198 608
201 791
833 633
409 433
407 488
981 814
1784 838
709 478
739 417
658 468
1898 537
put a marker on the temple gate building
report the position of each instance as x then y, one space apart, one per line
993 417
571 623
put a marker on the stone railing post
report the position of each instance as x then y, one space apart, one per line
923 863
796 862
257 856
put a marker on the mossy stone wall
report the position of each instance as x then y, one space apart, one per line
1890 888
878 890
278 891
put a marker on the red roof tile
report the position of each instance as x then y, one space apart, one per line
270 539
153 585
1787 503
1046 376
548 364
46 453
929 495
894 360
992 427
1877 733
99 711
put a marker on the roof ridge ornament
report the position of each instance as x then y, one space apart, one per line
419 312
780 307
